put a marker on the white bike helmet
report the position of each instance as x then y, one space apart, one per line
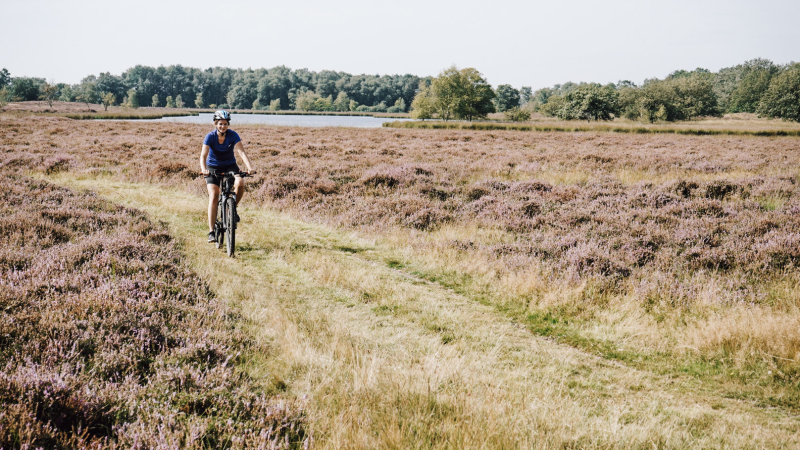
222 115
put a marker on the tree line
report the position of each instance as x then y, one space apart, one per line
757 86
278 88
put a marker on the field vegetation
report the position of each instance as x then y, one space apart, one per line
732 124
107 339
676 255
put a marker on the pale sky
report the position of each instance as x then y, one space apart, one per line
533 43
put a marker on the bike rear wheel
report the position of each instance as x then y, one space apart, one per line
230 225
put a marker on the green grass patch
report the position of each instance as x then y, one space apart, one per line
564 325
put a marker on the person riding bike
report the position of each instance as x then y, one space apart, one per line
218 157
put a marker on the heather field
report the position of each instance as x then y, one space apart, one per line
407 284
107 339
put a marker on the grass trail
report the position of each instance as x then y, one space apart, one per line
386 360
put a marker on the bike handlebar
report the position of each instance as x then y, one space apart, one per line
241 174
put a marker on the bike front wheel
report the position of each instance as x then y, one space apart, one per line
230 225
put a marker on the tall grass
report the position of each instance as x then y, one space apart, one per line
435 125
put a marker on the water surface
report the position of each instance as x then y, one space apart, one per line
289 120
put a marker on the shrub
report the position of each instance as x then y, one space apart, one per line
516 114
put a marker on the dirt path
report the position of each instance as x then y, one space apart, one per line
386 360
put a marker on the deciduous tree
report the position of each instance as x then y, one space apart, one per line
424 104
170 102
589 102
48 93
25 89
462 94
342 102
87 93
179 101
107 99
782 99
5 78
507 98
156 102
133 99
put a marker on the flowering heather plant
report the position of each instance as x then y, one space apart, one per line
108 340
671 223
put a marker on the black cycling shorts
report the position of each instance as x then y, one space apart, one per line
212 177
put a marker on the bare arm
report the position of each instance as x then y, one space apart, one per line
203 156
240 147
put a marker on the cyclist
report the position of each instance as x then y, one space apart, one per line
218 156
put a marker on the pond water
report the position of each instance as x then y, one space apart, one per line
289 120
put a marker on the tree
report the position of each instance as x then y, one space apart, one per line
66 93
681 97
198 101
739 88
342 102
87 93
476 102
179 101
107 99
170 102
462 94
133 99
552 105
323 104
25 89
424 104
49 93
507 98
589 101
304 101
353 105
5 78
753 85
525 94
782 99
399 106
156 102
275 105
106 82
446 91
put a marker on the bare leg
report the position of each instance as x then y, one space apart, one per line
238 188
213 198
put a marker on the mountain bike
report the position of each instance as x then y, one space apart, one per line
225 226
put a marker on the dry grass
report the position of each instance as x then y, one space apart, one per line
725 126
384 359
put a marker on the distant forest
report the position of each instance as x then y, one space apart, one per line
756 86
278 88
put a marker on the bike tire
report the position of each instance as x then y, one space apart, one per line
230 225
